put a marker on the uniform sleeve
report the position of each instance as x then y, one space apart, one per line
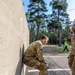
39 53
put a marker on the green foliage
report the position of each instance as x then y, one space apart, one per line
52 25
66 31
52 38
59 8
36 18
57 4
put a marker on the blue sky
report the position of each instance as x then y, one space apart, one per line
70 10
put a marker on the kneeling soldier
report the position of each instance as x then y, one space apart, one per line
33 55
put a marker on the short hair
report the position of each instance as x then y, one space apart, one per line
44 37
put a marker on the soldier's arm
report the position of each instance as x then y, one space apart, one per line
39 54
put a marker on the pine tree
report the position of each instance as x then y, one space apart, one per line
59 8
37 9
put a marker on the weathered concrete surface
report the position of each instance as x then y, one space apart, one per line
14 37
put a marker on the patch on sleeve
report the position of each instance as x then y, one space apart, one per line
41 49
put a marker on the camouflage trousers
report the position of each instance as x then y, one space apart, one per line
71 63
42 67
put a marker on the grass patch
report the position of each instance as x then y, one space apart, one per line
60 50
55 50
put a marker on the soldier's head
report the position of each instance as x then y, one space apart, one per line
44 39
73 27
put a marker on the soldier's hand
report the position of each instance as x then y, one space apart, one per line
47 65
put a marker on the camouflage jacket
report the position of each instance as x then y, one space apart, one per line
34 51
73 45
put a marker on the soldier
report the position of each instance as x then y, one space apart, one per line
33 55
71 57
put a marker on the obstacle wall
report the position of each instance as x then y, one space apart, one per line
14 37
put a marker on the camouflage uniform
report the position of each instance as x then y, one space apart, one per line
71 58
33 57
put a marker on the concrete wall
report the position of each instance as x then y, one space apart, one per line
14 37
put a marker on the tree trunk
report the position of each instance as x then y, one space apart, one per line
38 25
59 30
38 28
